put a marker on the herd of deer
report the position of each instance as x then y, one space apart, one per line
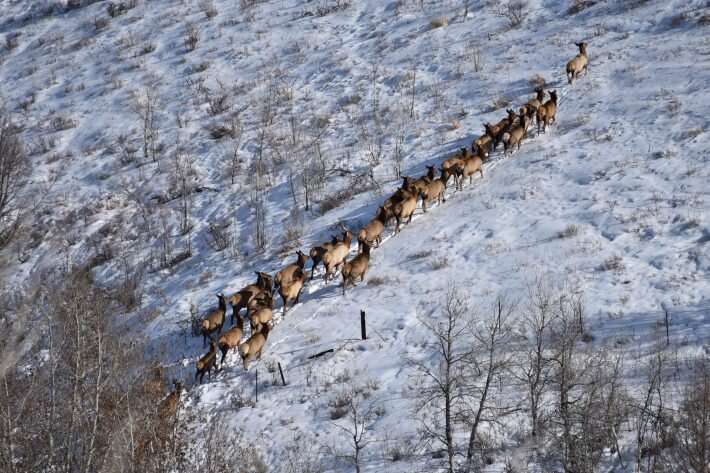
257 298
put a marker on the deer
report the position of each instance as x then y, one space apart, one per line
356 267
577 64
241 298
214 320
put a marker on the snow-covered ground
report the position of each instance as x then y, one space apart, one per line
611 200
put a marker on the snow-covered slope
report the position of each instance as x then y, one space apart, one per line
612 199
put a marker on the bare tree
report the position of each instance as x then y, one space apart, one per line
145 105
256 201
533 369
567 376
648 415
443 384
490 359
88 405
400 132
590 399
165 239
184 183
233 151
693 429
63 402
360 415
14 169
515 11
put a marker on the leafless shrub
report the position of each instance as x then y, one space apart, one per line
439 263
100 23
335 200
248 4
674 105
474 55
498 103
337 412
192 36
690 133
221 130
115 9
208 8
437 92
179 258
395 451
613 263
147 48
12 41
355 424
515 11
241 457
326 7
126 149
217 238
292 235
537 81
678 20
570 230
301 456
438 22
60 123
631 4
377 281
420 254
27 102
580 5
200 67
218 101
44 144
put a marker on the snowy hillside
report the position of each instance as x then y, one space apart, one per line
178 147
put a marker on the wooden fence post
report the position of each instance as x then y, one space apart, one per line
668 335
283 380
363 329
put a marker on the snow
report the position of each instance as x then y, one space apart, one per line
623 164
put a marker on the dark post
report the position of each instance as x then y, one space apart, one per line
283 380
668 337
363 330
256 387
